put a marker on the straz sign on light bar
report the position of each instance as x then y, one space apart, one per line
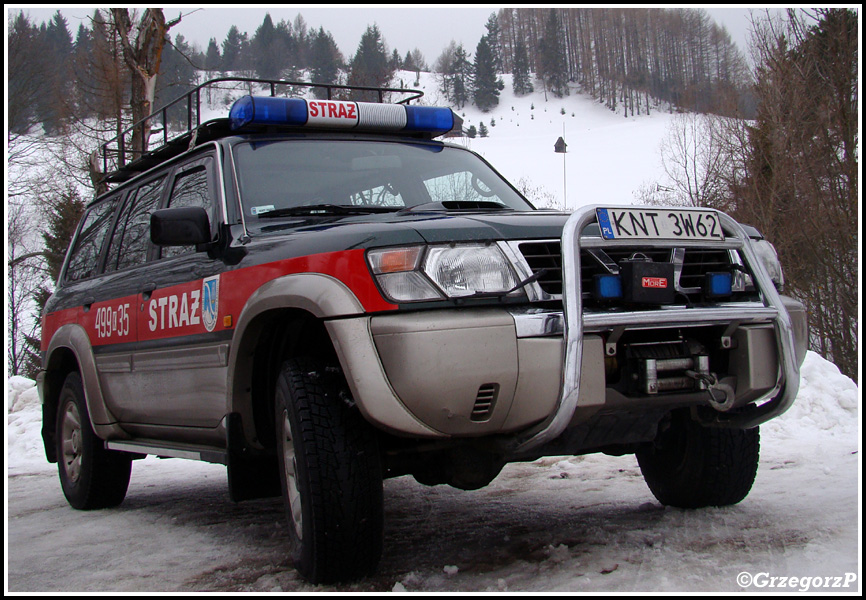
332 113
658 224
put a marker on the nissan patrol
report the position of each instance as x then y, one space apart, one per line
321 294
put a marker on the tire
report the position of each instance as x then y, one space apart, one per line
331 475
690 466
91 476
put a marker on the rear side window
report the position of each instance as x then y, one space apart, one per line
130 242
83 261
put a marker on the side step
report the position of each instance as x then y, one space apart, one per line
188 451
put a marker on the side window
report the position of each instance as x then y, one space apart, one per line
190 189
85 257
130 241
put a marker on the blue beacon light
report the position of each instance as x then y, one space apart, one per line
268 111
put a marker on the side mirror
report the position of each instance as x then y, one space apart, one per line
180 226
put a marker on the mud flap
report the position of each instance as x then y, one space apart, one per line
250 476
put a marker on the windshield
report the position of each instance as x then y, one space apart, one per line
280 178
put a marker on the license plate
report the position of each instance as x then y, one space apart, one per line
658 224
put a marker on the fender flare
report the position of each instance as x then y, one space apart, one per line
74 338
321 296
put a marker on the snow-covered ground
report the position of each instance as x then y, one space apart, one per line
571 524
579 524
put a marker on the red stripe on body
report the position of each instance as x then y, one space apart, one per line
178 310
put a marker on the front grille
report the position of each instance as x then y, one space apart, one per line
695 263
547 256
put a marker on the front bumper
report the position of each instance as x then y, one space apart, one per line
532 373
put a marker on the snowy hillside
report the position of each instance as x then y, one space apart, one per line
609 157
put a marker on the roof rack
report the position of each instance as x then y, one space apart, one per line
122 161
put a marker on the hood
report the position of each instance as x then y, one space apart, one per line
485 226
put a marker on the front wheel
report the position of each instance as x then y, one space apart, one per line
330 472
91 476
691 466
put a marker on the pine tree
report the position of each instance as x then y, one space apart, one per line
455 74
325 60
494 40
291 45
23 81
52 104
552 58
370 65
213 60
396 63
268 54
482 129
65 212
485 84
522 81
303 40
177 77
233 50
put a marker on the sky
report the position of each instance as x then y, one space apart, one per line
427 27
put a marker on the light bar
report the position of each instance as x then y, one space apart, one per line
331 114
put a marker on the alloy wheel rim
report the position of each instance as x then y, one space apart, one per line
290 465
71 442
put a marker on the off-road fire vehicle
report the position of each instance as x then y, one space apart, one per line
320 294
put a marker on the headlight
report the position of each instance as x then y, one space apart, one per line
767 254
419 273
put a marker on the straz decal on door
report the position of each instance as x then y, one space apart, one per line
175 310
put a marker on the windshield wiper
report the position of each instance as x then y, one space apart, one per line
531 279
326 210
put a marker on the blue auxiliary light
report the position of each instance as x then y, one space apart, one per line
718 285
435 119
607 287
268 111
330 114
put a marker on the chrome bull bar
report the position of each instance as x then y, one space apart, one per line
574 323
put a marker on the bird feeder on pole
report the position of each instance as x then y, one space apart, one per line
560 148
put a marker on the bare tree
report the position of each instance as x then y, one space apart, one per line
695 161
793 171
25 276
142 43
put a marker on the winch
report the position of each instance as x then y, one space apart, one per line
677 366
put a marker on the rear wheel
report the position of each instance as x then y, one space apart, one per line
690 466
91 476
330 472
